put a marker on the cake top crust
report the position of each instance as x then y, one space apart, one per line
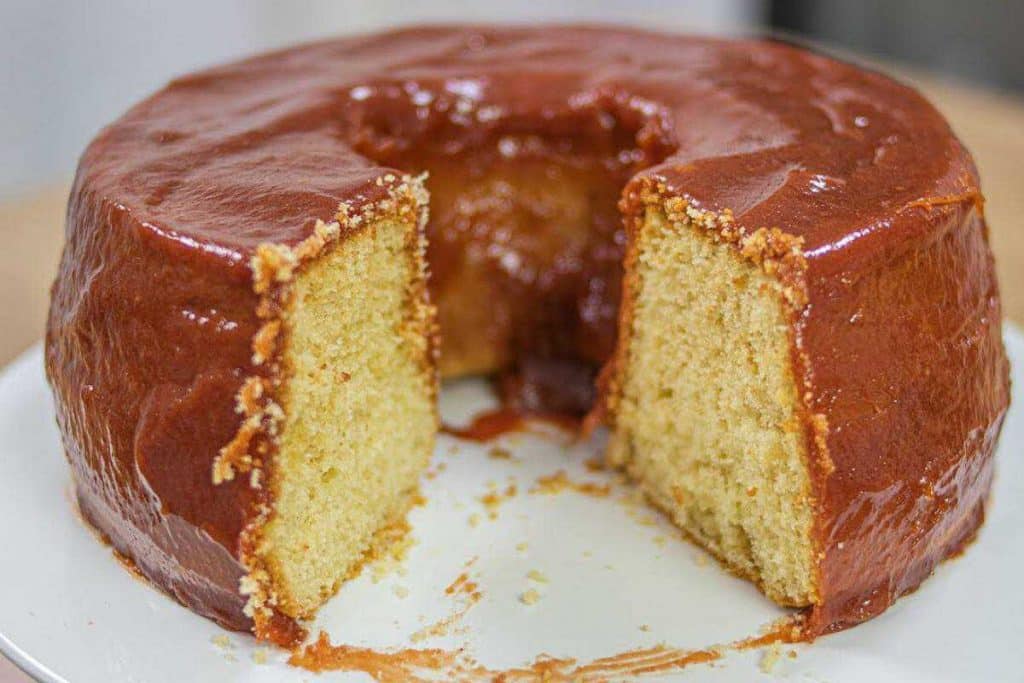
253 152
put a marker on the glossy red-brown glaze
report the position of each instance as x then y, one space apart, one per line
491 424
488 425
423 665
150 329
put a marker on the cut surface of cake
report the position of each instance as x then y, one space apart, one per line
707 408
765 270
358 406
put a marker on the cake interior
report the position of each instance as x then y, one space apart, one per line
526 260
359 411
706 421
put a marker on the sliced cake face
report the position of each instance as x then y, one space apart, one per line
706 408
358 402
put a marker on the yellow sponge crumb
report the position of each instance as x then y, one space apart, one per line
356 359
706 405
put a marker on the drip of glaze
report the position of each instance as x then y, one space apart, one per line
491 424
435 664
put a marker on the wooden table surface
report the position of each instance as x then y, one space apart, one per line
991 125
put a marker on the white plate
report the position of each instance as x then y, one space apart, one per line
619 578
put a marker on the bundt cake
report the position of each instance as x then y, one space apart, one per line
805 373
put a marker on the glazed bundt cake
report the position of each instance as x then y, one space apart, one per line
765 270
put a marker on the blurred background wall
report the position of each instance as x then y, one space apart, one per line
975 40
67 67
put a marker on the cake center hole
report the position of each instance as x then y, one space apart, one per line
525 241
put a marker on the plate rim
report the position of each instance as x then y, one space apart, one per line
39 671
